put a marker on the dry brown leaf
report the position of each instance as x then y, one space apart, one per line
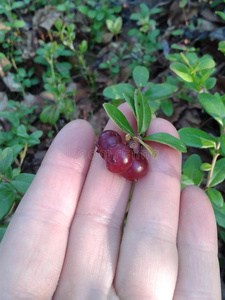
3 100
3 63
10 82
46 17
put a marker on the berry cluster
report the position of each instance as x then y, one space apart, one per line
119 157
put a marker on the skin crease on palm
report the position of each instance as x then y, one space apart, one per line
65 240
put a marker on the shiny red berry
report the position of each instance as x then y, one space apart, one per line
119 158
106 139
138 168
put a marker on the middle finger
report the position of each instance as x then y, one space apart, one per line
148 262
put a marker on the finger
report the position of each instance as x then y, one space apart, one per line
33 249
96 232
147 267
198 274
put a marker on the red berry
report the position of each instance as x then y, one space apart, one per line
138 168
106 139
119 158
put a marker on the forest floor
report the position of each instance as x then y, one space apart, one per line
108 60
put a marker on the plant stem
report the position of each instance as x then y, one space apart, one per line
23 154
215 156
149 149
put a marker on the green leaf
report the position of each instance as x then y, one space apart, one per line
83 46
7 197
6 159
185 180
92 14
18 24
221 14
218 172
109 24
58 24
12 118
61 7
100 16
146 116
167 107
167 139
159 91
118 25
130 100
83 9
213 105
209 83
140 76
34 138
222 144
22 131
184 58
116 91
139 108
222 47
63 68
50 114
177 32
197 138
118 118
220 215
206 167
17 4
182 71
192 169
2 231
206 62
215 197
22 182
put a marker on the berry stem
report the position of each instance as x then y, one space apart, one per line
149 149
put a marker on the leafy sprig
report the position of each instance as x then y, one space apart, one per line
139 105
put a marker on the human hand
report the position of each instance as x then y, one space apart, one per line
65 240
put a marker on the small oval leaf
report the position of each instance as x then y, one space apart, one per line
6 159
140 76
116 91
213 105
197 138
139 109
218 172
7 197
167 139
147 115
130 100
182 71
118 118
215 197
206 167
192 169
22 182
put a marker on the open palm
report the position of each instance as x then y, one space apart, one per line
65 241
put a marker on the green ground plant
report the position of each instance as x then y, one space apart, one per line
195 72
97 12
55 78
114 60
146 44
64 53
14 144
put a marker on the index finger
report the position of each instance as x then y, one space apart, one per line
33 249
